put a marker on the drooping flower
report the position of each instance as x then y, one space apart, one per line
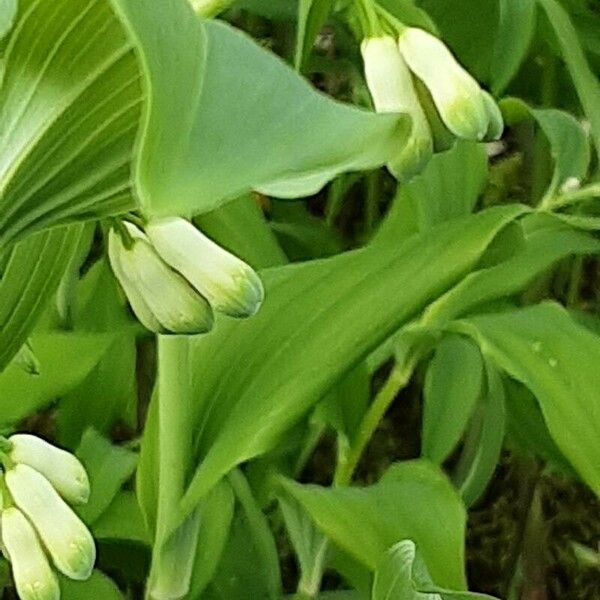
392 90
34 579
67 540
457 96
162 299
229 284
66 474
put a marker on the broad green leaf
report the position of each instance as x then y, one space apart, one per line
224 116
546 244
585 81
8 11
403 575
448 188
250 565
409 13
217 515
363 296
453 385
29 280
108 467
557 359
312 15
271 9
70 109
310 545
526 429
484 445
98 587
65 360
513 37
122 520
568 141
468 27
365 522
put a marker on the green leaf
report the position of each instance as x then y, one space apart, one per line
108 467
250 564
513 38
585 81
409 13
547 241
568 141
484 444
365 522
448 188
98 587
246 119
557 359
65 360
403 575
8 12
453 385
122 520
312 15
30 279
362 296
70 108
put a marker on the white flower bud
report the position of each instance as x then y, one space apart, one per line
64 535
161 299
457 96
229 284
34 579
496 120
391 86
59 467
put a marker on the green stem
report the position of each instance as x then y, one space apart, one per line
173 552
569 198
397 380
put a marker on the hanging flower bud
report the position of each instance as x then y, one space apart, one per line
496 120
229 284
161 299
391 86
64 535
59 467
456 94
34 579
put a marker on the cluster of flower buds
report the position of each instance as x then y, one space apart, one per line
394 64
174 276
40 481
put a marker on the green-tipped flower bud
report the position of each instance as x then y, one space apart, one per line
59 467
496 120
64 535
34 579
391 86
229 284
457 96
162 300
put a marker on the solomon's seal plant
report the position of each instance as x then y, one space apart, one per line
304 297
37 524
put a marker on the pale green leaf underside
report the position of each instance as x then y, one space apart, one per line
224 116
30 279
69 109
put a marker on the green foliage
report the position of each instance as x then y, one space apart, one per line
415 339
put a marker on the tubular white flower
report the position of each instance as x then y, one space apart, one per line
229 284
59 467
457 96
160 298
64 535
496 120
34 579
391 87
